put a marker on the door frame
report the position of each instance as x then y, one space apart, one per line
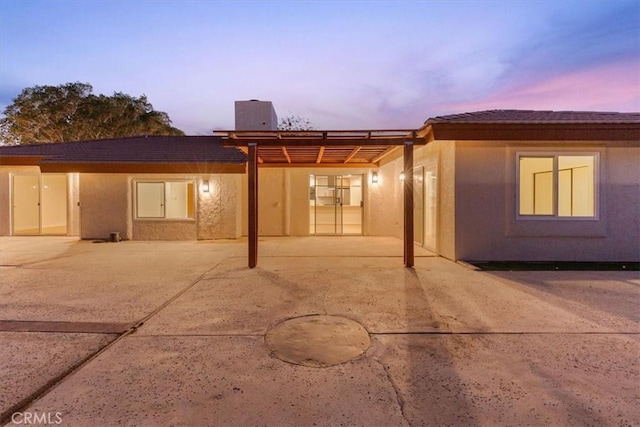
338 198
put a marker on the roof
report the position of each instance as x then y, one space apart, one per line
155 153
532 116
530 125
225 151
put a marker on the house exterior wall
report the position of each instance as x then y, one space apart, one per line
283 199
486 224
220 210
440 155
108 205
384 215
105 206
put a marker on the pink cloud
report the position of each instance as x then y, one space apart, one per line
609 87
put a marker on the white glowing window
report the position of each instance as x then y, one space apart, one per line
165 200
557 185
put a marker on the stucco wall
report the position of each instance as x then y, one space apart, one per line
272 201
384 212
487 227
220 210
105 205
440 157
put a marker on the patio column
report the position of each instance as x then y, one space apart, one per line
408 204
253 204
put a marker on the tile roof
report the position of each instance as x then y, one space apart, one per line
132 150
536 117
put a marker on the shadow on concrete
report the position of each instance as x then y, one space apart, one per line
436 393
611 292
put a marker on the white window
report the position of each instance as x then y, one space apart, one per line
557 185
165 200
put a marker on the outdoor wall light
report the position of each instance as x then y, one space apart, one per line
374 177
205 186
401 176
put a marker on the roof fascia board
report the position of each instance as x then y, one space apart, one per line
195 168
536 132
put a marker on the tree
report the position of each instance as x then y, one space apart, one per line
294 122
71 112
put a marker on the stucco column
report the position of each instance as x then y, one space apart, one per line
408 204
253 203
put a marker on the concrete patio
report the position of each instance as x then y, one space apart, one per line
172 333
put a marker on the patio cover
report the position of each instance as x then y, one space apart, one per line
323 149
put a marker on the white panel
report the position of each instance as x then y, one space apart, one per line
54 204
150 199
26 209
176 199
536 186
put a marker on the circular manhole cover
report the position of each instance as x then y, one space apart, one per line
317 340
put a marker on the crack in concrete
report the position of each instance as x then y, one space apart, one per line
324 300
396 391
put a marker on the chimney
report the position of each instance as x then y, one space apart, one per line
255 115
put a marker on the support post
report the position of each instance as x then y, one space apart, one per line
408 204
253 203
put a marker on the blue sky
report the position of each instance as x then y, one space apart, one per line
341 64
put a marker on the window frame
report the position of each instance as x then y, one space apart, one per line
164 182
555 155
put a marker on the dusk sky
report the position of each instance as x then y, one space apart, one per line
341 64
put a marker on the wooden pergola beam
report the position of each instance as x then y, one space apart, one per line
245 150
252 166
353 153
320 152
408 205
286 154
305 142
351 165
384 154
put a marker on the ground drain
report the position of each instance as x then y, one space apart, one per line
317 340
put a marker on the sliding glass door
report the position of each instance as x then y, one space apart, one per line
335 204
39 204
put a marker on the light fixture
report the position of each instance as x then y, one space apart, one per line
205 186
401 176
374 177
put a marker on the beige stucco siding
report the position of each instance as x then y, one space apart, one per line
623 203
108 205
220 210
440 155
384 210
487 227
105 205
